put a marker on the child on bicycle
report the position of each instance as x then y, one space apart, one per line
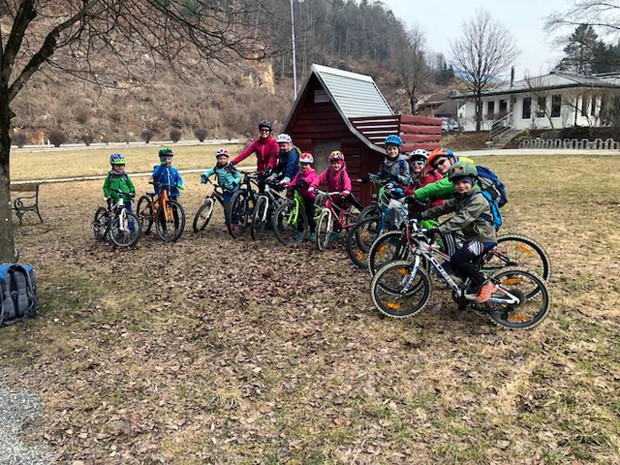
472 216
288 161
228 177
422 174
394 167
302 182
165 176
337 180
117 179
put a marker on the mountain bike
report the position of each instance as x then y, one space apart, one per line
289 217
333 215
205 211
116 222
267 202
168 215
403 288
242 203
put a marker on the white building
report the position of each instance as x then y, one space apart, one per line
556 100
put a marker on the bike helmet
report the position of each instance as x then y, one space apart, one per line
265 124
165 152
220 152
464 171
336 155
117 159
419 154
306 158
440 152
284 139
394 140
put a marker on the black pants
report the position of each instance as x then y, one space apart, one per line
309 208
463 258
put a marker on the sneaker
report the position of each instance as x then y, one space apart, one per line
224 228
298 236
334 236
312 237
485 292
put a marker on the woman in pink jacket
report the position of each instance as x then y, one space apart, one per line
265 147
337 180
303 181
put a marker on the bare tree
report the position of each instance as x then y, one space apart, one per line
484 51
602 14
73 35
410 63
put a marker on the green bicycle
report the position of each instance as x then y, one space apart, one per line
289 221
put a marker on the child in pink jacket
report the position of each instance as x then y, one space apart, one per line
337 180
303 181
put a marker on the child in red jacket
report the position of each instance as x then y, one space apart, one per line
337 180
422 174
303 181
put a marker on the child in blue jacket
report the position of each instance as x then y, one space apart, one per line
165 177
228 177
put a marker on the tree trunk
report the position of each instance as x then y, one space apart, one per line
478 111
7 245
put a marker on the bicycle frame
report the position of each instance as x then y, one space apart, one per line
336 212
273 197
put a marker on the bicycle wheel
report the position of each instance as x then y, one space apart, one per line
370 211
515 250
290 223
125 230
203 215
360 239
170 221
237 210
395 294
260 217
389 247
533 305
101 223
145 213
323 230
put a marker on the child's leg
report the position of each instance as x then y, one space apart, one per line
355 202
309 204
461 261
227 196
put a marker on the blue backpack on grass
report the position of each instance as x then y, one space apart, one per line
18 293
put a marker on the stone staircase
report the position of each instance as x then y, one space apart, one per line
500 140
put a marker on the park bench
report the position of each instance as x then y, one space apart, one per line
26 200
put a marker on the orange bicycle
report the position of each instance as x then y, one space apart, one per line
167 214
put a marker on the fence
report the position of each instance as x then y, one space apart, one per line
597 144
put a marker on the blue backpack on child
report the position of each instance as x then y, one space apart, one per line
18 293
493 185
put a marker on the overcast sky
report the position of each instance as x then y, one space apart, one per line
441 21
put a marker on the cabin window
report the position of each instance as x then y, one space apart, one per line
556 105
526 112
320 96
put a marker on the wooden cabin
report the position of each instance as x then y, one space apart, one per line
340 110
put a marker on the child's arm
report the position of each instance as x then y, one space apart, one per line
347 182
106 187
206 175
291 164
442 189
132 189
465 216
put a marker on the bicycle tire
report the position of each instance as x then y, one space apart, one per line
260 217
144 210
171 230
323 230
285 226
533 307
370 211
127 234
360 239
516 250
238 206
387 285
101 223
387 248
203 215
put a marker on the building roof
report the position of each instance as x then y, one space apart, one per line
554 80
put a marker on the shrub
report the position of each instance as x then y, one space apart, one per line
87 139
19 139
57 137
175 135
146 135
575 132
201 134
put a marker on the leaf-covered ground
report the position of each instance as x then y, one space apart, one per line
212 350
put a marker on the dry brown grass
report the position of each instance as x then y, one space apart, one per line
212 350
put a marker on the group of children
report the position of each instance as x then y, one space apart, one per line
448 183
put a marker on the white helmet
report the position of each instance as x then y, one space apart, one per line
284 138
419 154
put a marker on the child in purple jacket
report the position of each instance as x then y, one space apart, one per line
302 181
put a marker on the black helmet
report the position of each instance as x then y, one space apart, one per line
265 124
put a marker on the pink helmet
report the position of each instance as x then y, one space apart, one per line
221 152
336 155
306 158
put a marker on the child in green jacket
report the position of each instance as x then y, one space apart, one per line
117 179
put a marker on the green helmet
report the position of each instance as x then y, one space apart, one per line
463 170
165 152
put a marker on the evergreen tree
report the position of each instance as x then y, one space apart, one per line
580 51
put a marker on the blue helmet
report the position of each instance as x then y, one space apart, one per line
117 159
394 140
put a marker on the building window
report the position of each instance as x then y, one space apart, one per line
593 106
541 111
491 110
556 105
527 108
584 105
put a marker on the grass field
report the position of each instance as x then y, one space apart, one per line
214 351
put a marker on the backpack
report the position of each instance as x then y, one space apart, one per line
493 185
18 293
496 214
